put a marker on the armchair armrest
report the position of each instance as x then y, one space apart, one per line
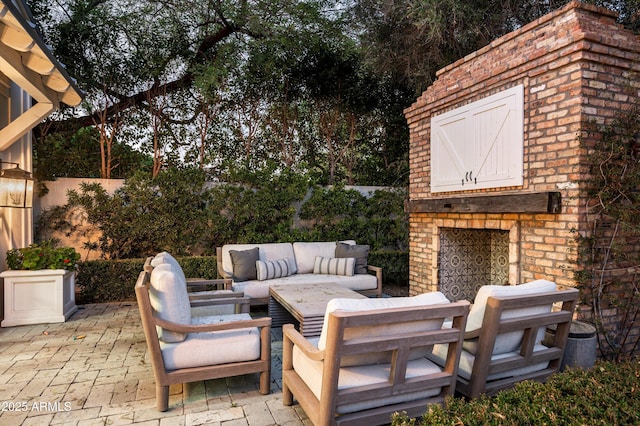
378 272
291 337
203 328
236 297
219 283
471 334
242 302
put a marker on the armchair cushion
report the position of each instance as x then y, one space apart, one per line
357 305
359 251
169 298
334 266
506 342
244 264
213 348
165 257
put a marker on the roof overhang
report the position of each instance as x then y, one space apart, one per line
28 62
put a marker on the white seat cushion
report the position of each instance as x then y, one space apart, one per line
213 348
169 299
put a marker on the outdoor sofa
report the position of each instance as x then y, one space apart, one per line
253 268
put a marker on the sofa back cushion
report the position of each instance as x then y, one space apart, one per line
359 305
306 253
266 252
170 300
506 342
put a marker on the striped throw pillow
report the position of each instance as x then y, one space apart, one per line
334 265
270 269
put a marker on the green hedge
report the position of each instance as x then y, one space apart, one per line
607 394
394 264
178 212
114 280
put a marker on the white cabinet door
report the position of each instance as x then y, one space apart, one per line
479 145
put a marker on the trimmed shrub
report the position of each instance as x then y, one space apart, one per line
114 280
394 264
607 394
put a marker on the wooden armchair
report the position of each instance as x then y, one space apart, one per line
184 348
369 360
505 336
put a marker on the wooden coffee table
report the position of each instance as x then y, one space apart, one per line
305 304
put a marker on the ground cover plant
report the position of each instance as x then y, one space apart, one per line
607 394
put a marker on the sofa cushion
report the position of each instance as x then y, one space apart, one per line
270 269
334 266
260 289
244 264
170 300
306 252
360 252
267 251
213 348
359 305
506 342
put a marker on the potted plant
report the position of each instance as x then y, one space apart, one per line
39 286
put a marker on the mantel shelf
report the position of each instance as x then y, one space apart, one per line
526 202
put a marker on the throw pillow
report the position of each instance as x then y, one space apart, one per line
244 264
268 270
334 265
360 252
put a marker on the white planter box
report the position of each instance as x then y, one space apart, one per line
34 297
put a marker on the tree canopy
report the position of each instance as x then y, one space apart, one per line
313 86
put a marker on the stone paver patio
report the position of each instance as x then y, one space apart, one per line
93 370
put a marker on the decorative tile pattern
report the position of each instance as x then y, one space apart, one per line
471 258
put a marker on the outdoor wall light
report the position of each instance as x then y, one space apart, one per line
16 187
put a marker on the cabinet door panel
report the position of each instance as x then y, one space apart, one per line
479 145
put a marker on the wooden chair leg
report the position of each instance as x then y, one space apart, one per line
265 383
162 397
287 396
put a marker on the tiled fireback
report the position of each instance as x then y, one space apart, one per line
471 258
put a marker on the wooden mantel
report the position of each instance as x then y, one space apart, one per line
524 202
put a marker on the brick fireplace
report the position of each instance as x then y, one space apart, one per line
497 151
